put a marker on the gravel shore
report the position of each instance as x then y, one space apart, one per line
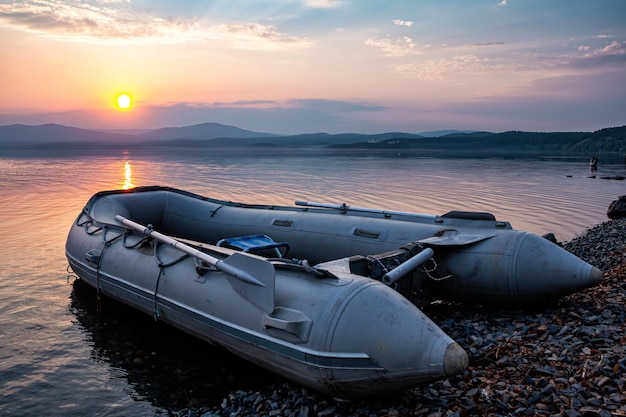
564 358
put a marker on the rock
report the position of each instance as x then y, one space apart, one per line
617 208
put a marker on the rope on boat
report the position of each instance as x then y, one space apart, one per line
94 231
107 243
83 213
168 264
382 265
85 224
428 271
89 222
157 313
98 289
162 266
215 211
134 245
104 236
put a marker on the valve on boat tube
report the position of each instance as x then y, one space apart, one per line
407 266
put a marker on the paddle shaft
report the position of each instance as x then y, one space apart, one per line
345 208
217 263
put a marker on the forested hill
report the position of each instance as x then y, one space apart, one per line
604 140
215 135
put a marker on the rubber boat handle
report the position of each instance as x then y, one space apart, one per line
222 265
407 266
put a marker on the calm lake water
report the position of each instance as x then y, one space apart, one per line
59 356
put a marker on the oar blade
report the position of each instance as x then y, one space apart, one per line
263 271
454 238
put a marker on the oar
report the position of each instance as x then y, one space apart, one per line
345 208
254 276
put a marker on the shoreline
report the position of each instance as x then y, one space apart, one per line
560 358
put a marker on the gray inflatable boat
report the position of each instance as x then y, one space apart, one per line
306 291
325 327
473 256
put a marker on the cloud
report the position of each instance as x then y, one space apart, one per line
614 53
334 106
438 69
489 44
614 48
503 3
407 23
246 103
257 36
322 4
113 21
108 19
611 55
400 47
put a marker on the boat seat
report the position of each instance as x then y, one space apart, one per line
255 243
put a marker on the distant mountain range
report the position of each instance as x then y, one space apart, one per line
20 136
204 131
216 135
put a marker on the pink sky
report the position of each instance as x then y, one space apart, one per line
313 66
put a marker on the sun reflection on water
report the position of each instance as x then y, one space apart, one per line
128 183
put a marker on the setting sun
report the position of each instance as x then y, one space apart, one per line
123 101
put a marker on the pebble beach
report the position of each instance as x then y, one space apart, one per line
563 358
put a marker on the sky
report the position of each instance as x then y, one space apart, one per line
307 66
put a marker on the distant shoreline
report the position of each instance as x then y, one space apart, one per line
214 136
79 150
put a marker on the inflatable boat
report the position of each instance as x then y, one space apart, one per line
322 326
475 258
